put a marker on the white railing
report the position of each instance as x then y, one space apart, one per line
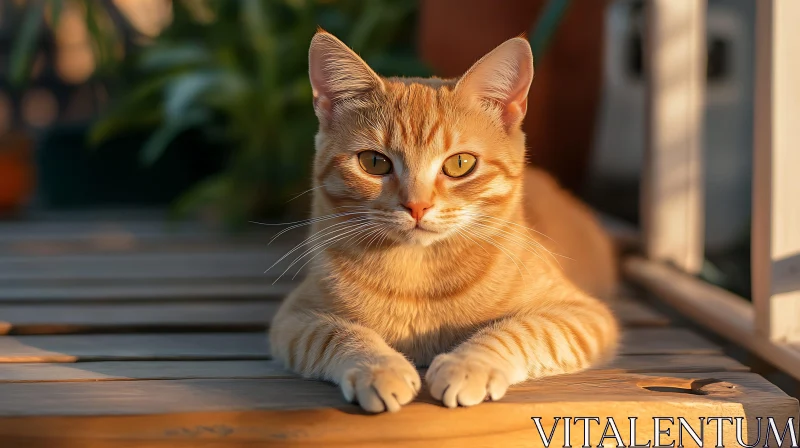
672 194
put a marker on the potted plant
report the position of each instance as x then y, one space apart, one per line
16 172
236 71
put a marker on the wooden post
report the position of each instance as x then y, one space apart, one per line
672 181
776 180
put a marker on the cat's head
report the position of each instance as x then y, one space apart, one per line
419 160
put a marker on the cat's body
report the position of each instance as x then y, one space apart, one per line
455 272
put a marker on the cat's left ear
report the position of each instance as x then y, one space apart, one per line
338 76
501 80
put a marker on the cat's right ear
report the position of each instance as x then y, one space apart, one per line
337 75
501 80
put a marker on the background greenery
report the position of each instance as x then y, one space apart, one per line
236 72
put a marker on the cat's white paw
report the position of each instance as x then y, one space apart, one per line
385 385
458 379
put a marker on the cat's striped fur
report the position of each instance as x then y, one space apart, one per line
478 295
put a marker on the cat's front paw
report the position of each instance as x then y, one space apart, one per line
381 386
458 379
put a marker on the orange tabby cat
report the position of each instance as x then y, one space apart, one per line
425 251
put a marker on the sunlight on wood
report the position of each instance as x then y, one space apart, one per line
713 308
672 192
776 209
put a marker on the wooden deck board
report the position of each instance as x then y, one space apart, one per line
204 346
36 293
149 316
633 313
183 346
252 369
131 317
168 333
167 396
113 231
137 266
227 412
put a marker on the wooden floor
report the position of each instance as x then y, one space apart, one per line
130 335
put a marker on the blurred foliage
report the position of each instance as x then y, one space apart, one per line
106 26
237 71
234 71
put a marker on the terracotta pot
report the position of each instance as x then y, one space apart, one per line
16 171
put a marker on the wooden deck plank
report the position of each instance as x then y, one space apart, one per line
168 396
714 308
52 318
182 413
141 370
34 292
143 266
104 229
665 341
666 363
130 317
171 370
94 229
184 346
635 313
202 346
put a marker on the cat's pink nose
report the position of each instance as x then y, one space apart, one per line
417 209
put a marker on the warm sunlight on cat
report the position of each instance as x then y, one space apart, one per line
437 244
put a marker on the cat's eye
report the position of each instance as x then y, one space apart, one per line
459 165
374 163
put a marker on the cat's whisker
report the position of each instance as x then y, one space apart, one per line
353 206
534 246
384 237
541 246
529 238
323 245
464 235
515 224
486 237
355 242
341 216
370 234
328 230
332 237
377 233
333 215
505 221
313 221
385 234
306 192
347 242
321 233
525 240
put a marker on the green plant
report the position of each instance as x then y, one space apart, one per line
238 72
107 29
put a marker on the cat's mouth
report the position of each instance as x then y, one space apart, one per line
420 228
420 234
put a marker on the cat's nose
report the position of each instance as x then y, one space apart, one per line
417 209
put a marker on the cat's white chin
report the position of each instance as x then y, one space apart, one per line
423 237
416 235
